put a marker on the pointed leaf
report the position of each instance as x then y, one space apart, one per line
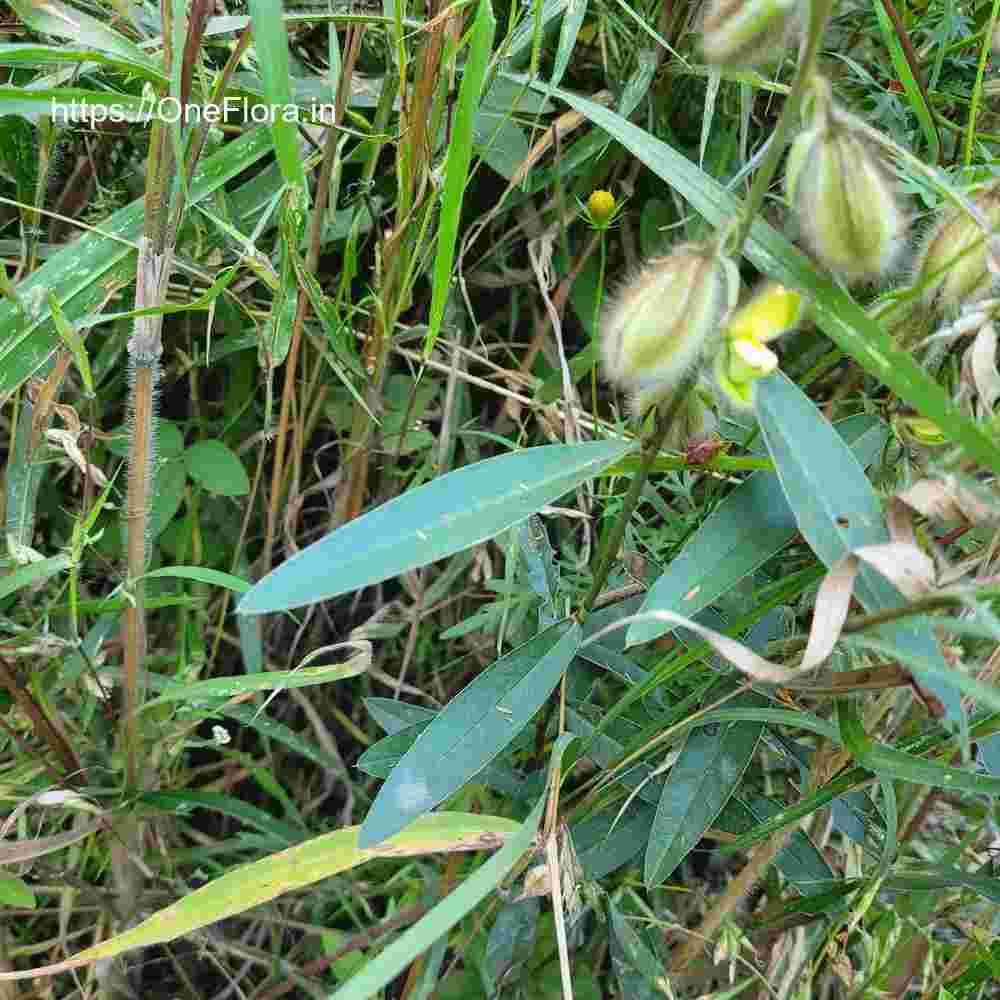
471 730
298 866
838 513
704 776
749 527
435 520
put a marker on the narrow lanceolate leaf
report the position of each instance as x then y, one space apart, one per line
383 969
271 44
471 730
704 776
838 513
55 18
435 520
457 166
298 866
837 314
903 766
81 275
753 524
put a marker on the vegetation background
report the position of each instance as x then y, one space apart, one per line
344 370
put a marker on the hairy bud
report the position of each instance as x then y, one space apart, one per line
953 267
745 33
845 201
661 323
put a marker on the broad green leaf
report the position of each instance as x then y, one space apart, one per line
445 915
81 274
457 165
15 891
608 841
511 942
435 520
56 18
33 573
704 776
752 525
838 513
271 45
271 680
305 864
217 468
471 730
799 860
201 574
837 314
394 716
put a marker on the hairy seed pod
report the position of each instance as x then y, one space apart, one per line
661 322
953 266
746 33
845 200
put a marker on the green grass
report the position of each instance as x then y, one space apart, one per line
349 615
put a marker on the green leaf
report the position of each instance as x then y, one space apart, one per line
271 45
608 841
471 730
837 314
217 468
457 166
201 574
29 54
838 513
903 766
15 891
752 525
56 18
230 687
799 860
81 274
639 971
445 915
707 772
435 520
306 863
33 573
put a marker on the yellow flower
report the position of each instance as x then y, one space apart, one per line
771 312
601 206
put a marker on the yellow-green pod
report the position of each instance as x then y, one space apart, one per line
745 33
953 268
845 200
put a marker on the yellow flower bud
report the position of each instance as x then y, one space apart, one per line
845 201
770 313
745 33
952 268
601 205
659 325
